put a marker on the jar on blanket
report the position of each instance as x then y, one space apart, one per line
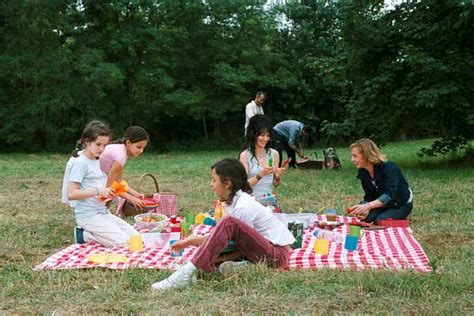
296 228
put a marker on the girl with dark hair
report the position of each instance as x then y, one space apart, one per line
115 155
257 233
85 182
259 160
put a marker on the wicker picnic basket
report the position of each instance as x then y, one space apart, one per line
128 208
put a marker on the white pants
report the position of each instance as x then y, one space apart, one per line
106 229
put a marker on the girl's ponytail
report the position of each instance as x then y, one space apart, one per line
79 147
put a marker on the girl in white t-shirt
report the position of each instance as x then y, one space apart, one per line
85 183
257 233
115 156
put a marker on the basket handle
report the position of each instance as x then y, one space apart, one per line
157 187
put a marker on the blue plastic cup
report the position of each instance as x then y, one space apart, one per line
174 253
351 243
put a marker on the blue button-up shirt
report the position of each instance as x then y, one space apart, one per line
290 130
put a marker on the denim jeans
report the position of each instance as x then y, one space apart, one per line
279 143
382 213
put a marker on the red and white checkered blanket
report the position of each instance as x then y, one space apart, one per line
389 249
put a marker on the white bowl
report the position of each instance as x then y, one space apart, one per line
141 222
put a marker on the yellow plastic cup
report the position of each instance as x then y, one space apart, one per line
321 246
136 243
199 219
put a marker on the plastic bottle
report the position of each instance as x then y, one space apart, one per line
329 235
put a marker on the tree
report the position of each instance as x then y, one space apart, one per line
411 70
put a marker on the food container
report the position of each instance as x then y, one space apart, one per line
150 221
331 215
159 240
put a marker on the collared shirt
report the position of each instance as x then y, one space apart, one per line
252 109
388 185
247 209
290 130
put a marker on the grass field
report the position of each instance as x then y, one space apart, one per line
35 225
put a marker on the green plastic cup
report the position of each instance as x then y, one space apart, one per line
190 218
185 226
354 230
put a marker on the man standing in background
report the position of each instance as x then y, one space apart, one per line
254 107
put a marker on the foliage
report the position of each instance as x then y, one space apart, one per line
445 146
185 69
411 70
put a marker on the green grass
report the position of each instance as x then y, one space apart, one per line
35 225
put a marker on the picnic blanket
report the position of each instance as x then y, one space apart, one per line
389 249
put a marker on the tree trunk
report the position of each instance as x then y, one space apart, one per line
204 127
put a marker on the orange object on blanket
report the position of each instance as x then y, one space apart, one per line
118 187
354 222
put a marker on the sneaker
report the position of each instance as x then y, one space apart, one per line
182 277
79 235
231 267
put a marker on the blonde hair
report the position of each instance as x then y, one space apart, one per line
369 150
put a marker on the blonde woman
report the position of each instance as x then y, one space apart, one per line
386 192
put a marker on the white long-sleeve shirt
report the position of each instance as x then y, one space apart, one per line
252 109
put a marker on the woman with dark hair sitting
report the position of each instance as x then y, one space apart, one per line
260 161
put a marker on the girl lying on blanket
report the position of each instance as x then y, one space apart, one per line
257 233
86 182
386 192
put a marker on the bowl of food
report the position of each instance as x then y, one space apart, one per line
151 221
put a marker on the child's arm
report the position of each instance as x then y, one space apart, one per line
138 203
75 192
115 173
192 240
